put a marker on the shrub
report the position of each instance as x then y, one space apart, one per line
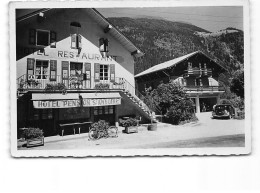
129 122
173 102
100 125
102 86
30 133
55 87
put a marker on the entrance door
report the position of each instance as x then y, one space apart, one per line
106 113
206 104
76 75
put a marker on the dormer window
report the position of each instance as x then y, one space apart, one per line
103 45
75 35
76 41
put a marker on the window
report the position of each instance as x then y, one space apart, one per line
103 45
41 69
47 114
105 110
103 72
42 38
75 69
76 41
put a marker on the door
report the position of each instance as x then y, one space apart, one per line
41 70
76 76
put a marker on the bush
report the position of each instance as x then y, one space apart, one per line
173 102
100 125
129 122
30 133
102 86
55 87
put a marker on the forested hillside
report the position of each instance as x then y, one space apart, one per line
163 40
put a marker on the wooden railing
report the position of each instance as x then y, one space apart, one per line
203 88
27 83
198 72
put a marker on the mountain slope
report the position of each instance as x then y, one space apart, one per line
163 40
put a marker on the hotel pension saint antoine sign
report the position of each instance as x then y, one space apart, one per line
41 104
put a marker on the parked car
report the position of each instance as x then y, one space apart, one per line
223 111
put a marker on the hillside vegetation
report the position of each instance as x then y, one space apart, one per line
163 40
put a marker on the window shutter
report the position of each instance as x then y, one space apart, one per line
30 66
73 40
97 72
101 45
88 71
65 70
79 42
53 39
112 72
53 70
106 45
32 37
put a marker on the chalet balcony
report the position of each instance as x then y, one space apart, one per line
204 88
25 83
198 72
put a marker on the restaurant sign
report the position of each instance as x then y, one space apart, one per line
45 104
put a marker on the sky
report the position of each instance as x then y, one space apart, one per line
210 18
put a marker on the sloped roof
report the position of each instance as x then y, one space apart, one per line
170 63
103 22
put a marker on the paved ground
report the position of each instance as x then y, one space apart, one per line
206 132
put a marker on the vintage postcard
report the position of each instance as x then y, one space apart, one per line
130 78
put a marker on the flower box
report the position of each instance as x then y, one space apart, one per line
131 129
35 142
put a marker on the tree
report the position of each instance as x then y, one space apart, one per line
173 102
237 83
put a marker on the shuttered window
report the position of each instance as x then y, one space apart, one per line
103 45
53 70
112 72
76 41
42 38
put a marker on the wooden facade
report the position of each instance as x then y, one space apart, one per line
196 72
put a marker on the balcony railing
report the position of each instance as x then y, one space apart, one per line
25 83
203 88
198 72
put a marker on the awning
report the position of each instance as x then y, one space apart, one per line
70 100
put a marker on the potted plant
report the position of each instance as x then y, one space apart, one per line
130 124
152 126
33 136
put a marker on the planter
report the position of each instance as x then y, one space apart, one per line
35 142
132 129
152 127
